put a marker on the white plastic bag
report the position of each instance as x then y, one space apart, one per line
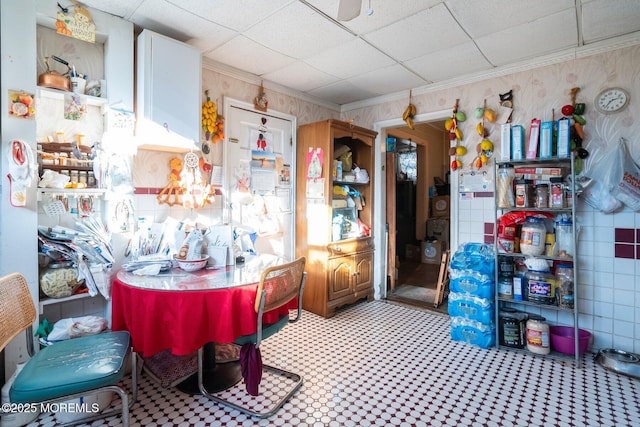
627 184
65 329
602 166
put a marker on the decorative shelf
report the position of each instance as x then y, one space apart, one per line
47 92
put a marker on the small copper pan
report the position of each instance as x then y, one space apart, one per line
54 79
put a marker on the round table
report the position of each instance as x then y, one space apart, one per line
184 311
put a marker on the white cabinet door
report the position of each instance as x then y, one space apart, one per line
168 92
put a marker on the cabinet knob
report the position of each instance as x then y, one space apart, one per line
338 249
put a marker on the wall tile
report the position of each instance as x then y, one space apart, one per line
623 250
603 324
602 309
625 235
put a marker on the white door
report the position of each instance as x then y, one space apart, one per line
259 172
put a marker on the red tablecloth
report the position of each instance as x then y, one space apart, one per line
184 321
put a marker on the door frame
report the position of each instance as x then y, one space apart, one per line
229 103
380 195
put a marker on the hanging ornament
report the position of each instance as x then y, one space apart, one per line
261 102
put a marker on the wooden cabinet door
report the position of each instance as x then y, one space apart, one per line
363 267
340 277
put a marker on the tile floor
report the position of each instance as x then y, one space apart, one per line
382 363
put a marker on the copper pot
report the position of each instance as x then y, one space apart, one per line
54 79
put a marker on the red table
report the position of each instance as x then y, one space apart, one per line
184 311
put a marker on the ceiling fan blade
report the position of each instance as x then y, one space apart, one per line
348 9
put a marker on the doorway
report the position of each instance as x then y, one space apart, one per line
416 172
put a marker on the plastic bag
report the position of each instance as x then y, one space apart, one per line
627 188
65 329
603 173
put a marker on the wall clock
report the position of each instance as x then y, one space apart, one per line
611 100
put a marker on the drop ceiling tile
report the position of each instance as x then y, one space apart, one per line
449 63
385 12
428 31
387 80
247 55
480 18
300 76
350 59
122 8
237 15
183 26
602 19
543 36
298 32
342 92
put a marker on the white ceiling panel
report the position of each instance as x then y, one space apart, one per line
449 63
121 8
183 26
387 80
237 15
480 18
385 12
299 32
427 31
245 54
300 76
342 92
403 44
350 59
609 18
545 35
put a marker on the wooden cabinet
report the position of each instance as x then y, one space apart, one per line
168 80
339 259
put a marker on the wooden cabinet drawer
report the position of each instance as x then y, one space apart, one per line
350 246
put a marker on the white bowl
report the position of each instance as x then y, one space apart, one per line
192 264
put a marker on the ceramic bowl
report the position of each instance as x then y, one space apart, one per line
193 264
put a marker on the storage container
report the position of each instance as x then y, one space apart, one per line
533 236
512 327
538 335
541 287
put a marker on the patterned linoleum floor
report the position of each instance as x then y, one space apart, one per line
385 364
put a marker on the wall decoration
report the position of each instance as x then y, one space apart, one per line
21 104
409 113
261 141
484 149
314 163
74 107
212 122
77 23
455 134
261 102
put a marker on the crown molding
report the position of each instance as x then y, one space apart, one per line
540 61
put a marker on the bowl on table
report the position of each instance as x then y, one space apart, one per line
192 264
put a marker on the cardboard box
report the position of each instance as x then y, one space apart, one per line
431 252
412 252
438 228
440 206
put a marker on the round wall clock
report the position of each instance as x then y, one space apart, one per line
611 100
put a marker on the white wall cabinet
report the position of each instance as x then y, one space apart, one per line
168 93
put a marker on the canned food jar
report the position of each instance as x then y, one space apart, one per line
504 180
59 280
542 196
532 236
511 327
538 335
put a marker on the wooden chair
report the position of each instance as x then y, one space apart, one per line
67 369
278 285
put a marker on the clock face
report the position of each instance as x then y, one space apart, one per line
611 100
